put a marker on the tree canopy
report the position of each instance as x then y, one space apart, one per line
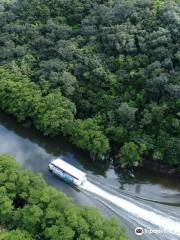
105 73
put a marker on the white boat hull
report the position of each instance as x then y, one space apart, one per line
65 176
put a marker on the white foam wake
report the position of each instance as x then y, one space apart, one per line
166 224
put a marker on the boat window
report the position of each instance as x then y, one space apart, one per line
64 171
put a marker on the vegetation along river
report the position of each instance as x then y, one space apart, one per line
137 198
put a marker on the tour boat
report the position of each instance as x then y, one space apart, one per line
67 172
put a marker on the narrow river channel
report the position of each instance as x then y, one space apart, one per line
140 198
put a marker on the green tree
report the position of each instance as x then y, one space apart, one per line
15 235
53 112
88 135
129 154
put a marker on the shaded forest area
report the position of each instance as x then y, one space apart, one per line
105 73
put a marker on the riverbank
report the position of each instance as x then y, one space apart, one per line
50 113
160 167
156 166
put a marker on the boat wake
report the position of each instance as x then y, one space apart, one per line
164 223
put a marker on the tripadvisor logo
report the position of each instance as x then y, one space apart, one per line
139 231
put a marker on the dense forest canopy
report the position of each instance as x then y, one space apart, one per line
28 213
103 72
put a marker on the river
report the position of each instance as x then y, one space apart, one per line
137 198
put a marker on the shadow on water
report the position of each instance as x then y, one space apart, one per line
56 146
145 176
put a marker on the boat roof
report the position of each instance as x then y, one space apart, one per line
68 168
